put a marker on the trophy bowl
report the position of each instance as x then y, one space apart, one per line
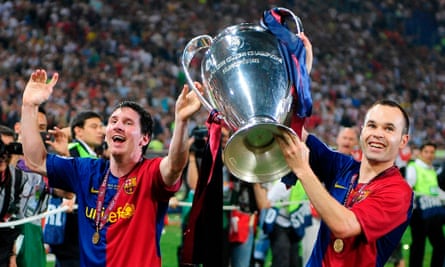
245 79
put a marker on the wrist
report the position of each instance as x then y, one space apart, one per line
29 105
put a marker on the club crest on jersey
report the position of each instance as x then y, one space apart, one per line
130 185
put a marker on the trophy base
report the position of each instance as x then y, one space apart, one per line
253 155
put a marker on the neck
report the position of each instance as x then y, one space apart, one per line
370 171
120 167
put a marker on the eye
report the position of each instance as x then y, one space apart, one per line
371 125
94 126
389 129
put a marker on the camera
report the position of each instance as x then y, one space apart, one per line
200 134
46 136
13 148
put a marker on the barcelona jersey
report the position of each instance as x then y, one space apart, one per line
383 208
132 229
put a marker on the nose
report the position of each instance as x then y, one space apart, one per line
116 126
100 130
377 132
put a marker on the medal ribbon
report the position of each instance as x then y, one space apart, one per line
359 193
101 220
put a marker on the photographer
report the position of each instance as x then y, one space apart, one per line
197 141
10 189
17 194
32 197
199 135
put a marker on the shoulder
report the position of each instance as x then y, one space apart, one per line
395 185
150 167
73 145
150 162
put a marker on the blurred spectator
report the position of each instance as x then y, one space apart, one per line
428 216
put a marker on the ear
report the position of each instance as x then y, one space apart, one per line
404 141
144 140
17 127
77 131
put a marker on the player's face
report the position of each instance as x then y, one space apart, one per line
382 134
123 133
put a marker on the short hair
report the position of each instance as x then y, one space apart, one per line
145 119
80 118
394 104
6 131
42 110
427 143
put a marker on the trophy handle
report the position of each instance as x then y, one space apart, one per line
295 18
286 13
192 48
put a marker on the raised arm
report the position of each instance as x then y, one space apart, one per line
341 221
37 90
173 164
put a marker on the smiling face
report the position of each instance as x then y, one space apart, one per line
383 134
123 134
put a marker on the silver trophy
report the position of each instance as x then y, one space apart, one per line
245 79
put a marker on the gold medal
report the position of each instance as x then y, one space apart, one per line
338 245
95 238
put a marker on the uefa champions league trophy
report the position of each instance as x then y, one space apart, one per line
245 79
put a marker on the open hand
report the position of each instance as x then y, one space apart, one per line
188 102
38 89
295 151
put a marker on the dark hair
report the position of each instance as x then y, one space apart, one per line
5 130
42 110
145 119
394 104
4 148
427 143
80 118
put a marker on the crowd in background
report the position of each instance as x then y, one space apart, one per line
106 51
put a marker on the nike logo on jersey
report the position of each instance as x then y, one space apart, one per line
339 186
94 191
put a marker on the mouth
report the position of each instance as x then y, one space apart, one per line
376 145
118 139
